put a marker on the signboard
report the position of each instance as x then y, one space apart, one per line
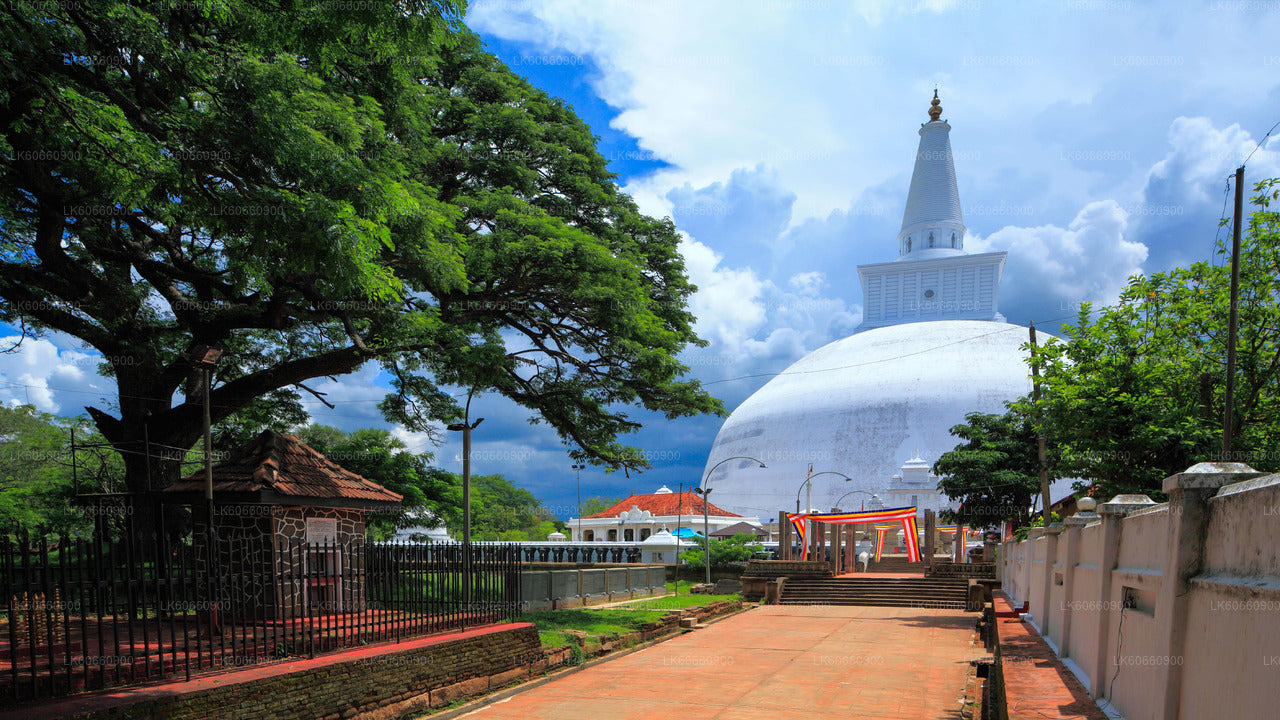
322 530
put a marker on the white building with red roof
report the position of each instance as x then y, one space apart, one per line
637 517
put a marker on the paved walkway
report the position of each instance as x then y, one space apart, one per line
1036 683
777 662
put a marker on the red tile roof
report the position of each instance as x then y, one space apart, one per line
285 466
690 503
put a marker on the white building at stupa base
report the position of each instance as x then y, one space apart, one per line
932 347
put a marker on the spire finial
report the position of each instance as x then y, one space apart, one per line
935 107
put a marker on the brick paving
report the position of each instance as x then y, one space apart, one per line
1036 683
776 662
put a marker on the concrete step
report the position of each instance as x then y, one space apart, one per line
949 593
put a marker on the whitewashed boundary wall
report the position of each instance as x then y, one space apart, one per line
1166 611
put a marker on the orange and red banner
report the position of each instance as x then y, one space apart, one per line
905 515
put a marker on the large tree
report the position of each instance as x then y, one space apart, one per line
311 187
1137 392
995 472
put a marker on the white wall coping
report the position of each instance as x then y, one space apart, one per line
1152 510
1247 485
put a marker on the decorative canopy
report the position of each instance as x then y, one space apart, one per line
280 469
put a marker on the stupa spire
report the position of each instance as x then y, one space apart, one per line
932 225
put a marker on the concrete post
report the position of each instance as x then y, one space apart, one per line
1189 492
1051 534
1112 513
1071 557
1034 534
929 549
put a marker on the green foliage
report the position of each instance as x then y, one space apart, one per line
314 190
1137 393
738 548
995 473
593 505
429 496
36 479
1038 521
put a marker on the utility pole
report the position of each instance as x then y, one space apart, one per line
1035 400
578 467
1232 320
466 426
206 358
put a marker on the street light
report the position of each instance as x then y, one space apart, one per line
856 492
808 482
466 426
704 492
579 467
706 536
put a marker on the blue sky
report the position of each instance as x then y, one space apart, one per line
1092 140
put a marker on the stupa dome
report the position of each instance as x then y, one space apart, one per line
863 406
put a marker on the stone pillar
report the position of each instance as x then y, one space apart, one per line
851 548
1071 557
784 536
833 535
929 524
988 547
1112 513
1189 492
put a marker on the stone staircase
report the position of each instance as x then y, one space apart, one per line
943 593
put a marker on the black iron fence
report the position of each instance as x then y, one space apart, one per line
84 614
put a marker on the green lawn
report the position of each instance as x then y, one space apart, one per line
596 622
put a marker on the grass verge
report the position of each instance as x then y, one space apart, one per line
599 622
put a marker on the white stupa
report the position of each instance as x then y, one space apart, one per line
880 403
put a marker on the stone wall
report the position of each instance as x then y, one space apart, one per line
1167 611
555 589
384 682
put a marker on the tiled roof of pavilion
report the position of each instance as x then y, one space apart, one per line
665 503
276 465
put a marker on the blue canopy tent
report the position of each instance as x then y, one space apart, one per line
686 533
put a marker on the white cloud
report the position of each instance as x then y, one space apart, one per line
727 301
53 380
415 442
828 94
1051 270
807 283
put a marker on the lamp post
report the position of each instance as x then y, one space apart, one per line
856 492
808 482
466 426
704 491
578 468
706 536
